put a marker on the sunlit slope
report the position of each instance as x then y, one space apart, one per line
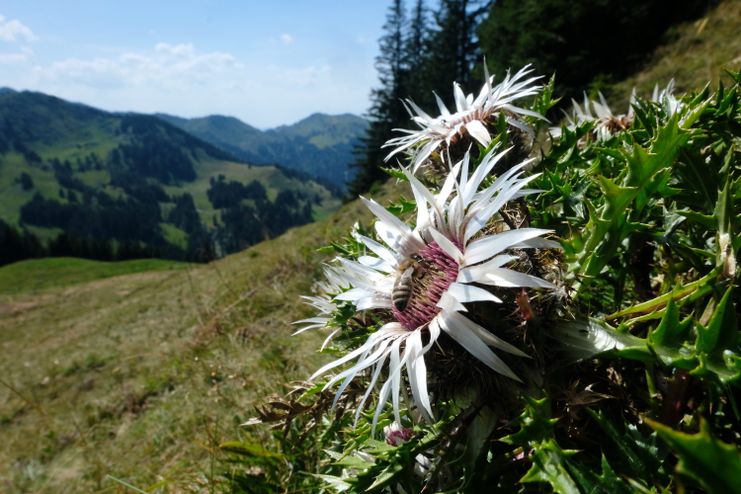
697 52
141 375
35 275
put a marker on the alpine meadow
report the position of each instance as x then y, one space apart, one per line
516 272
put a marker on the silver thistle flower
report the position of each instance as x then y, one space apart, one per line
442 259
471 117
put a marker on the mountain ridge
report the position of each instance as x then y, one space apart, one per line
320 144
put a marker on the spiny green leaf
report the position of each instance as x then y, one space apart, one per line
724 212
616 197
703 219
477 435
549 466
624 445
585 338
402 206
713 464
692 114
670 330
609 479
661 301
350 461
337 483
386 476
607 482
395 173
536 423
725 367
722 329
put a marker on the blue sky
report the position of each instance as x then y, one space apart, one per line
265 62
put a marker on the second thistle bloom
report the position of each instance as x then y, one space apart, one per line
606 123
472 117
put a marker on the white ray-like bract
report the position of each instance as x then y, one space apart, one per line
666 100
332 284
451 256
471 116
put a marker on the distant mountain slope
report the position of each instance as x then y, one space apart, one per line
319 145
135 181
228 133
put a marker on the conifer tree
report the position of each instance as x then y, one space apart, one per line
387 110
454 45
583 43
417 54
416 59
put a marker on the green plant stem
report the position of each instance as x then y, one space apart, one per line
650 306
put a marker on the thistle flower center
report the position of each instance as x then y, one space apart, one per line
616 124
420 284
461 120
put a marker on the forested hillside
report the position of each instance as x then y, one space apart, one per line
75 180
320 145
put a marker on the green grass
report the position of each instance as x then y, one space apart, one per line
174 235
93 138
208 169
41 274
13 196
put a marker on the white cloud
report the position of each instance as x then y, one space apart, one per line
286 39
181 79
14 31
20 56
183 49
166 67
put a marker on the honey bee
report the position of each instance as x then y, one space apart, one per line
414 269
402 291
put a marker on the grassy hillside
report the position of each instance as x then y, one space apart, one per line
694 54
108 369
319 145
28 277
